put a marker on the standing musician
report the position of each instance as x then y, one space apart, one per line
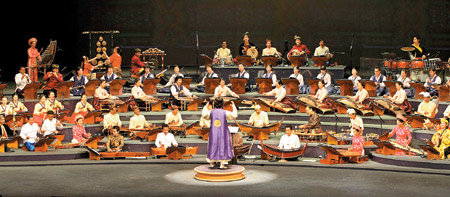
400 98
419 52
166 88
51 125
5 132
88 67
147 74
204 123
433 79
209 74
280 95
314 120
322 50
138 121
362 95
33 55
356 123
52 104
178 91
302 88
270 75
223 54
300 48
259 118
404 79
269 50
222 90
40 110
115 60
137 66
427 107
165 139
173 118
5 109
16 105
22 79
403 135
79 132
29 133
112 119
379 80
53 78
79 84
323 75
289 141
115 140
355 79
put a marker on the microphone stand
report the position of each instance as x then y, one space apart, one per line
198 68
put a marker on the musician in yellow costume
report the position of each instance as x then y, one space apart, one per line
441 139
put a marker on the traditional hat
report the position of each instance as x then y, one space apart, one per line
257 107
137 50
245 34
31 40
425 94
351 111
297 37
55 66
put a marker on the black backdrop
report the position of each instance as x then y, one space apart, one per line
374 26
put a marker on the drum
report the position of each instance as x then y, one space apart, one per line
417 64
394 64
403 64
387 63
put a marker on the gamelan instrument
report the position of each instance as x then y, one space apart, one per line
175 153
92 142
43 144
195 129
260 132
310 135
296 59
95 155
281 153
360 108
178 130
148 134
10 142
47 57
266 104
308 101
340 156
334 138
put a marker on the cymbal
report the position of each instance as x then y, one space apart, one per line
407 49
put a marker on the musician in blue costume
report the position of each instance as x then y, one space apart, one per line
243 74
220 149
177 91
147 74
79 84
209 74
433 79
379 80
109 76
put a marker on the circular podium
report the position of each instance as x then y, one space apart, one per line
233 173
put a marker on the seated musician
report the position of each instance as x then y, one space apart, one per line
289 141
40 110
5 109
79 132
322 50
22 79
355 79
313 122
5 132
165 139
379 80
400 98
322 95
270 75
16 105
29 134
137 66
52 80
173 118
178 91
172 81
222 90
269 50
138 121
209 74
258 118
112 119
280 95
245 45
204 123
427 107
52 104
405 80
138 93
83 107
243 74
115 140
301 48
302 88
362 95
441 139
357 141
223 53
109 76
433 79
51 125
101 93
79 84
403 134
355 122
147 74
323 75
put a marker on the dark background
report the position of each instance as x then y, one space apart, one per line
374 26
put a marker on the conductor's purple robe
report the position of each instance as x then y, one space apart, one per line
219 145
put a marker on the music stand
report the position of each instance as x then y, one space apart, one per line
150 86
269 60
320 61
444 92
63 89
116 86
90 87
298 60
371 88
264 84
346 87
245 60
186 82
238 85
211 84
89 118
391 87
206 59
313 86
30 90
419 88
291 86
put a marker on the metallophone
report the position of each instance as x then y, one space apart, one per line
175 153
310 135
260 133
267 149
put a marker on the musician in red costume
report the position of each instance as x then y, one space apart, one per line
53 79
33 55
137 66
298 46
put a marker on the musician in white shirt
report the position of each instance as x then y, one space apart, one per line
173 118
138 93
146 75
259 118
279 92
29 133
427 107
109 76
138 121
101 93
355 121
399 96
289 141
5 108
209 74
322 50
112 119
223 53
302 88
242 73
355 79
405 80
51 125
270 75
172 80
269 50
222 90
361 95
323 75
321 93
22 79
165 139
379 80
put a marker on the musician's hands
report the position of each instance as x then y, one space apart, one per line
109 150
176 145
303 52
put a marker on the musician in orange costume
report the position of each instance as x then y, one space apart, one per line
403 135
33 53
116 60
